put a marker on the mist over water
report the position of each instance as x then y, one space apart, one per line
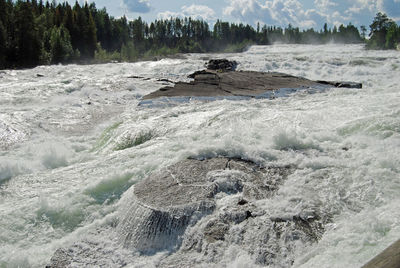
73 141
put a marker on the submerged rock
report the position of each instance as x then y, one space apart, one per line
221 80
341 84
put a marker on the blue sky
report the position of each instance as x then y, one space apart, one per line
301 13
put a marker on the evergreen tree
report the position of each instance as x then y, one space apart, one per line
379 29
90 34
3 46
60 45
363 31
392 36
27 42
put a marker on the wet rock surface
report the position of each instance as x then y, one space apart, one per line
221 65
203 207
169 201
389 258
221 80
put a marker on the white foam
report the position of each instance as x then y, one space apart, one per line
62 158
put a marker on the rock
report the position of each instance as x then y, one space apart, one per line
136 77
341 84
389 258
166 203
220 80
201 209
212 83
165 80
61 258
221 65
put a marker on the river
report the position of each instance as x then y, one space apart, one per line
74 139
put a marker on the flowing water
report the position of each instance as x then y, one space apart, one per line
74 139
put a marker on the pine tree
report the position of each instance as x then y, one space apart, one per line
363 31
392 36
90 35
60 45
379 29
27 41
3 46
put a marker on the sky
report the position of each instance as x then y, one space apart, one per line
299 13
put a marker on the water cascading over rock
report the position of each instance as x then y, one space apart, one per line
163 205
205 206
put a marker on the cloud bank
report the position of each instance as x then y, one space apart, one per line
295 12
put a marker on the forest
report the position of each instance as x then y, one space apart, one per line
36 33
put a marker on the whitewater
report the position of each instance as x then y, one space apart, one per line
74 139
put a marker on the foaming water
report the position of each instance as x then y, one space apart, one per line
75 140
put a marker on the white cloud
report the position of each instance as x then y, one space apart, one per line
199 12
169 14
281 12
193 11
334 12
139 6
246 10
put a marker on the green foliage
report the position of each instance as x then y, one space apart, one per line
26 40
102 56
363 31
60 45
129 52
3 38
385 34
238 47
392 36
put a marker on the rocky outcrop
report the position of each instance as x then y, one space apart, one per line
199 209
220 80
206 206
167 202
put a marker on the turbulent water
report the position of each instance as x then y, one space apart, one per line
74 139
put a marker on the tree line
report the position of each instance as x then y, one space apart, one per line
34 33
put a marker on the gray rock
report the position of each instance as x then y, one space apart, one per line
341 84
220 80
166 203
61 258
198 209
389 258
221 65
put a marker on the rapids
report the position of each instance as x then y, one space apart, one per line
74 139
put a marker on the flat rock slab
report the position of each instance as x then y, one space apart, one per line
221 83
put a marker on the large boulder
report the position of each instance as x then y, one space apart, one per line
163 205
199 209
